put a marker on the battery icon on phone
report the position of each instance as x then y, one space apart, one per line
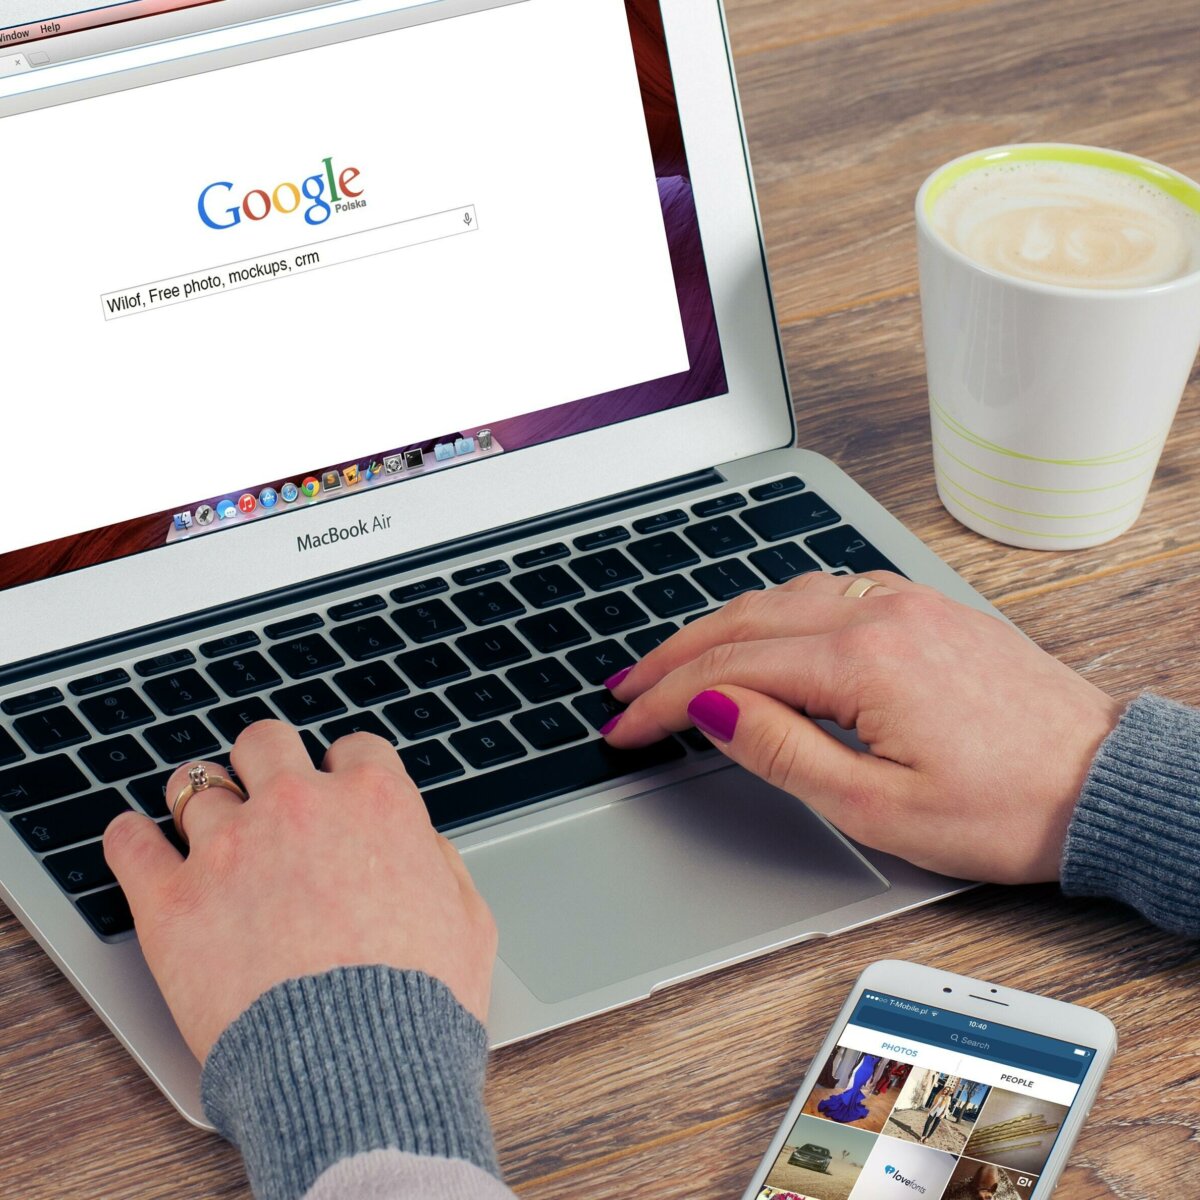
1081 1053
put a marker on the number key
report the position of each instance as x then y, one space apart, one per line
115 712
180 692
306 656
53 729
244 675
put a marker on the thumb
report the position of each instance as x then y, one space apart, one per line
141 858
793 753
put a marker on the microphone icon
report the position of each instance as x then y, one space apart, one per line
467 219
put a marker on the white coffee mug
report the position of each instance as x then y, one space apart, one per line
1049 405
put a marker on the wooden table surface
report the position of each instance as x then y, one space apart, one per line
849 104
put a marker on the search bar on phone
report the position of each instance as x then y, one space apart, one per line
194 45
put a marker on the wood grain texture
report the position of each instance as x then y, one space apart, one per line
849 103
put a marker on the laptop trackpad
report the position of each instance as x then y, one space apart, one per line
652 881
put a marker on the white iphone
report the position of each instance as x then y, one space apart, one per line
938 1086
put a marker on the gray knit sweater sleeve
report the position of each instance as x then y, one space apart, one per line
1135 833
330 1070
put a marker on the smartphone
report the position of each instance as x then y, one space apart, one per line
938 1086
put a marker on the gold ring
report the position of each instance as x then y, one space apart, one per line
860 587
199 780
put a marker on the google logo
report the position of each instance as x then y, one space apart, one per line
284 198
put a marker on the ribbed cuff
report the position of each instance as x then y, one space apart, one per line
356 1059
1135 833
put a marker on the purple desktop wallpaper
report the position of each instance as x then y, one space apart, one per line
706 376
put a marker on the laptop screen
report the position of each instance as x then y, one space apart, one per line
262 258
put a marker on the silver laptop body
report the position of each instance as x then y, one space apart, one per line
646 873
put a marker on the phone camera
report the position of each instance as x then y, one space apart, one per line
946 989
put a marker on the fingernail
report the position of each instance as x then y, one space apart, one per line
609 726
616 680
714 714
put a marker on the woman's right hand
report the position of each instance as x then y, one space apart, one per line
980 741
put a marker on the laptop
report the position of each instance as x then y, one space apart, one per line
407 367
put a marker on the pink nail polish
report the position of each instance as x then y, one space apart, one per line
616 680
609 726
714 714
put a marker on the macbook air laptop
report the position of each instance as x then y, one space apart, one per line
405 367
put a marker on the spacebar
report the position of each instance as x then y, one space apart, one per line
541 778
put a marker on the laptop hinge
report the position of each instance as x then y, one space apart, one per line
178 627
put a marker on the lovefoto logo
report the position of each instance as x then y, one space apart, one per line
341 533
896 1177
326 192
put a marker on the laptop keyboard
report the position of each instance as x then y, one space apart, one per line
489 682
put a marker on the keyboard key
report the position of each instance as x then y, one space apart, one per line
180 692
363 722
602 537
54 729
421 717
542 681
543 554
361 607
177 741
695 740
723 581
231 643
306 656
493 648
101 681
480 572
432 666
547 587
611 614
231 719
598 708
549 727
10 752
119 758
305 703
81 869
244 674
294 626
846 547
372 637
483 698
605 569
150 793
107 912
575 767
487 745
660 521
428 622
786 518
30 701
430 762
597 662
783 562
314 746
77 820
695 617
420 590
720 537
777 488
719 504
170 660
664 553
117 711
553 631
371 684
669 597
488 604
39 781
642 641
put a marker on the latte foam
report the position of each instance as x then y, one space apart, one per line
1069 224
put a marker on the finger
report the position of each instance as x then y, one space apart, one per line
454 861
363 749
810 604
266 749
208 809
769 738
806 673
141 858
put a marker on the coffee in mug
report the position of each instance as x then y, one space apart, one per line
1060 298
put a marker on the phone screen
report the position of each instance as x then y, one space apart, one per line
918 1100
